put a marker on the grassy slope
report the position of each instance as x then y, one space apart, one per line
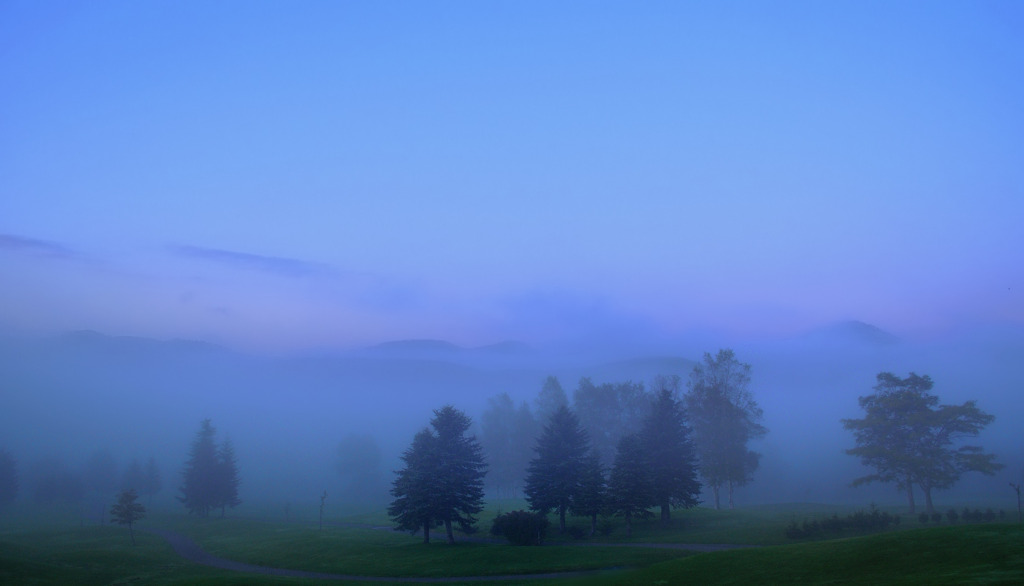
966 554
986 553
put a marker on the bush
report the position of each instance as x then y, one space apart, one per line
923 517
857 523
952 515
521 527
936 517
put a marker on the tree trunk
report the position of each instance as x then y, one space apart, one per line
910 496
426 532
448 530
629 525
666 513
928 499
714 489
132 533
593 524
731 505
561 519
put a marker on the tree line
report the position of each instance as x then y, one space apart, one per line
619 450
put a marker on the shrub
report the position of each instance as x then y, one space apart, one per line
936 517
521 527
576 532
990 515
952 515
923 517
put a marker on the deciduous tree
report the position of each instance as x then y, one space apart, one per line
908 438
126 511
724 418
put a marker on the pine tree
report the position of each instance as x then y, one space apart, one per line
199 491
126 511
553 476
227 477
461 470
669 456
413 488
629 488
592 498
133 477
152 483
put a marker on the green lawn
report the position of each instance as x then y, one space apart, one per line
63 552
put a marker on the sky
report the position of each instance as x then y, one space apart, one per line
283 176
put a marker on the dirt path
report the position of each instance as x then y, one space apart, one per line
192 552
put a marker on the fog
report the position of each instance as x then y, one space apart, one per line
65 399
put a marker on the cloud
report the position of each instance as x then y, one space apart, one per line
34 247
288 267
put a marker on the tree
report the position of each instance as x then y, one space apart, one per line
550 399
669 455
725 418
100 477
609 412
227 481
908 438
500 442
443 480
126 511
133 477
462 470
629 489
199 489
553 476
592 498
8 478
152 483
413 488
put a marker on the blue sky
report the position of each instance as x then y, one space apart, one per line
288 175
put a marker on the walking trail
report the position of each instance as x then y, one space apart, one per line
191 551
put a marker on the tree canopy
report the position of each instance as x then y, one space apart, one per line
443 477
725 418
210 477
126 511
553 476
671 462
909 439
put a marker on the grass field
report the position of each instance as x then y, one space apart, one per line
56 553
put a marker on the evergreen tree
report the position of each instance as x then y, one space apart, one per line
629 489
199 492
443 477
592 498
553 476
499 440
8 478
669 456
152 483
414 486
551 398
227 477
461 470
134 477
126 511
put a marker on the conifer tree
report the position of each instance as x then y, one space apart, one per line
553 476
670 461
199 491
629 488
